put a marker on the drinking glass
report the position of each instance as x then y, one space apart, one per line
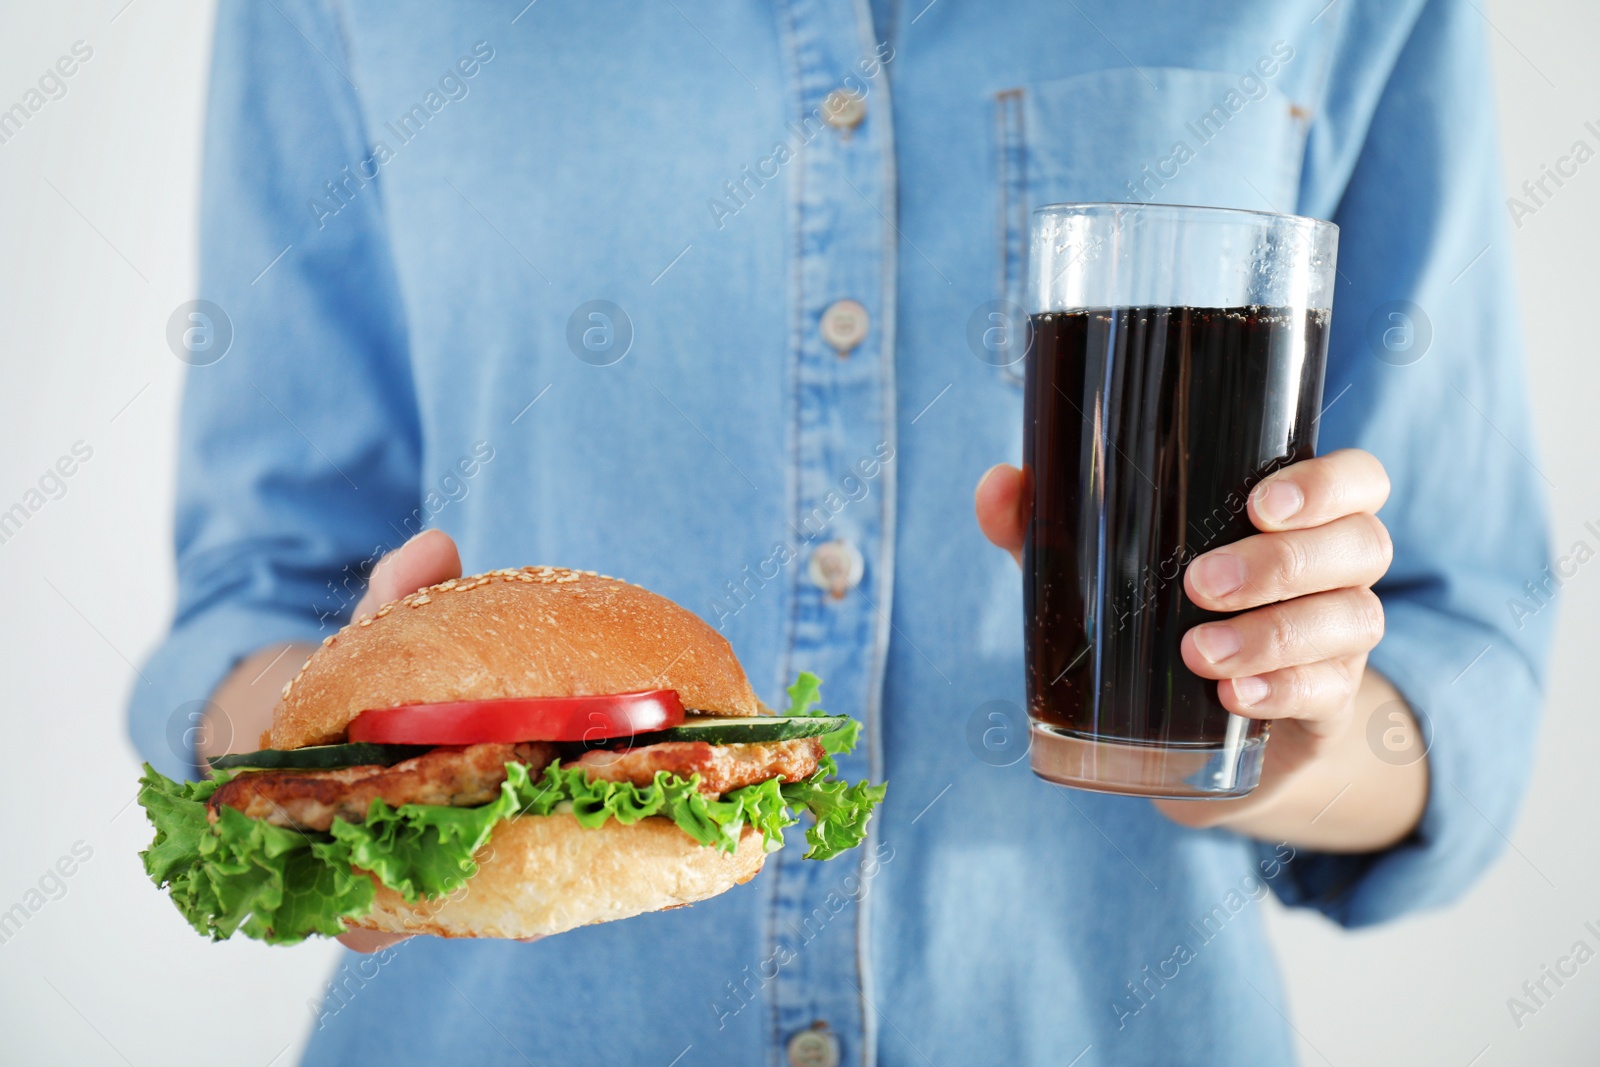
1176 359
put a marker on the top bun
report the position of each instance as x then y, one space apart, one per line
533 632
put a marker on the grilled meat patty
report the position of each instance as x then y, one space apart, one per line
310 800
464 777
722 768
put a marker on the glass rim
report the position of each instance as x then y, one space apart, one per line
1202 209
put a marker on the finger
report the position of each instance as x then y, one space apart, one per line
1315 491
1000 504
1266 568
369 941
1315 692
1343 622
426 559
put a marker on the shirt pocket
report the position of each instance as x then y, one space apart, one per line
1155 135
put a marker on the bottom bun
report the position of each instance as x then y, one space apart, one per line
544 874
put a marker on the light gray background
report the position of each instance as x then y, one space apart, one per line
97 234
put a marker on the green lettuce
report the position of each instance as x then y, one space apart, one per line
841 811
423 850
242 873
282 885
803 697
804 694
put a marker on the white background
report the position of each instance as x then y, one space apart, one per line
97 231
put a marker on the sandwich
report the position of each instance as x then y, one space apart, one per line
510 754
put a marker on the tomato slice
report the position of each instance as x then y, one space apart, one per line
512 719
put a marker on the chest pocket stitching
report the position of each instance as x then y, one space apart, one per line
1018 186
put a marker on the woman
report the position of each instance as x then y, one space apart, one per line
681 293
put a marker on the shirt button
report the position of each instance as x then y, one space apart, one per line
836 568
844 324
844 110
813 1048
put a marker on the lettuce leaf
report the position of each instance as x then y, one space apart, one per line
715 823
243 873
841 811
803 697
272 883
282 885
179 815
423 850
804 694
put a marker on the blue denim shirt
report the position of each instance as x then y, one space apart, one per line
615 286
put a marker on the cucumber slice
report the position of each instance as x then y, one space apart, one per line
713 729
743 730
319 757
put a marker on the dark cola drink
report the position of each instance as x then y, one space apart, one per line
1145 430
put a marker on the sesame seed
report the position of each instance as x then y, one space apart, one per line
286 687
326 641
421 600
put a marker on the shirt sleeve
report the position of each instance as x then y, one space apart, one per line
1426 372
298 447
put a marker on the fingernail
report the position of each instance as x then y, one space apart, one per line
1217 574
990 473
1279 501
1251 691
1217 642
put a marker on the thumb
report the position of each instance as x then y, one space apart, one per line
1001 501
426 559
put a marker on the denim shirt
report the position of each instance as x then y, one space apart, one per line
622 287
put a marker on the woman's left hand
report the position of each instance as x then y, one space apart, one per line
1297 653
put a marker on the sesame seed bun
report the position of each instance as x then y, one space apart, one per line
537 631
545 874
